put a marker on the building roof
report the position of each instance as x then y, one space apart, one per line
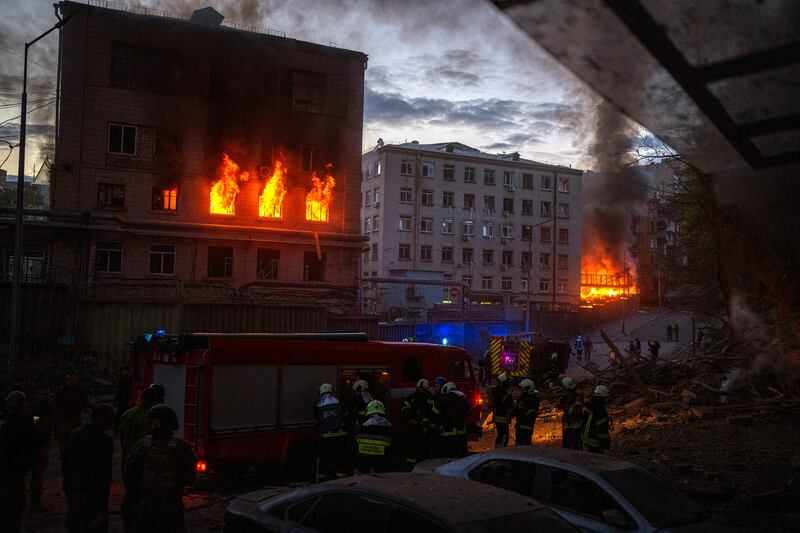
459 149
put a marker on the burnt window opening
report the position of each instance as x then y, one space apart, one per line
166 144
307 154
162 259
220 262
145 68
165 198
110 195
268 263
313 267
122 139
108 257
305 90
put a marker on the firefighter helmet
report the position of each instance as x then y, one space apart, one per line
423 384
440 381
568 383
554 356
448 387
528 386
375 406
158 392
166 416
325 388
602 391
360 386
502 378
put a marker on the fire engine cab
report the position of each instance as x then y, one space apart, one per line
250 397
522 356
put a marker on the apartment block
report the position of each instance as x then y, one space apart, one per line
491 229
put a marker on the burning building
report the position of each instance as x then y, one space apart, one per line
210 154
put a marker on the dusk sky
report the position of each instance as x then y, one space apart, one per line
454 70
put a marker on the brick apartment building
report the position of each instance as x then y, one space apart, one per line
149 105
494 229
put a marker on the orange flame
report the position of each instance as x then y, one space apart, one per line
320 197
270 203
605 279
225 189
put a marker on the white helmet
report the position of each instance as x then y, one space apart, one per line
602 391
360 386
554 356
568 383
423 384
325 388
502 377
528 386
448 387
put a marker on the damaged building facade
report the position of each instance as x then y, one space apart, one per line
200 161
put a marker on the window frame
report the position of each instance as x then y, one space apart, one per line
108 249
406 195
122 151
162 254
428 165
108 191
425 253
227 263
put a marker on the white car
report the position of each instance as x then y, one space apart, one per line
593 492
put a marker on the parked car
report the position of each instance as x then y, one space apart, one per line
594 492
391 503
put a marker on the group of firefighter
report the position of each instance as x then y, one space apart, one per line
356 436
583 423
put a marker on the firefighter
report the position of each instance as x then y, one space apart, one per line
355 411
502 409
596 423
18 441
418 409
70 402
374 441
526 411
438 383
134 424
451 411
332 436
572 406
86 472
551 375
158 469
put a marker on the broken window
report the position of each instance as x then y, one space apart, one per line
307 158
162 259
306 90
220 262
313 267
108 257
268 263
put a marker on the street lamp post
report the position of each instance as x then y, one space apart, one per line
16 288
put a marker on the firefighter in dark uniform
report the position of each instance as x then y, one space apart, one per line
503 409
451 411
526 411
551 376
418 409
158 469
355 409
332 449
572 407
374 439
596 423
18 442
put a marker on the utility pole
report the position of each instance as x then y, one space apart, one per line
15 321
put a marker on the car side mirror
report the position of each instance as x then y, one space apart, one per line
615 517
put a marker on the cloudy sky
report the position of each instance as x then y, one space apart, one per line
449 70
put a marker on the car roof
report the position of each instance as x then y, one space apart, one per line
593 462
455 501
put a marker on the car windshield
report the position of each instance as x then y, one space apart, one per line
539 520
657 501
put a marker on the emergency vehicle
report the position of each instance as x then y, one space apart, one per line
522 356
250 397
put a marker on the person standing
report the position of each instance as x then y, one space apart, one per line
332 448
579 346
451 410
44 412
552 373
134 424
596 423
159 468
70 402
572 409
502 409
669 332
418 409
654 346
587 348
355 410
675 330
526 411
122 396
18 444
86 471
374 438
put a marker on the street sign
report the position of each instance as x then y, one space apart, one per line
454 291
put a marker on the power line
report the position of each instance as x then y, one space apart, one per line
23 57
51 102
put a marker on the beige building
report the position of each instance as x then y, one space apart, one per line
494 229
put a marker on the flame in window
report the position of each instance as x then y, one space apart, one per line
270 203
320 197
225 189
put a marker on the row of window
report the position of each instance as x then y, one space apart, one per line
112 195
428 170
506 284
108 260
468 256
405 223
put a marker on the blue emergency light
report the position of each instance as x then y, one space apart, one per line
444 341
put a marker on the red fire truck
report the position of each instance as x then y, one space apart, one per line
249 398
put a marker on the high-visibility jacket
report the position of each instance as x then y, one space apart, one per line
330 417
374 445
596 424
502 404
526 411
572 407
418 407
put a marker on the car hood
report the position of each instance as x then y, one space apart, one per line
702 527
430 466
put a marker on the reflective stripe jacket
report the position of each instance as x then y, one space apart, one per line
418 408
374 445
451 411
526 411
596 424
328 413
573 411
502 404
